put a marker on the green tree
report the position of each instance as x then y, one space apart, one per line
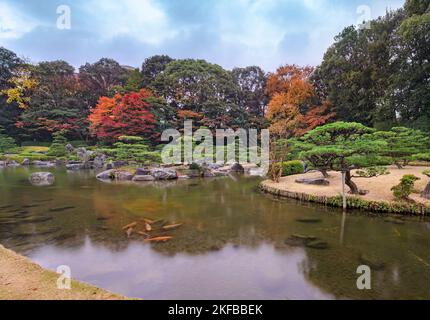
9 113
341 146
100 78
405 187
6 142
201 87
403 143
58 146
57 104
134 81
152 67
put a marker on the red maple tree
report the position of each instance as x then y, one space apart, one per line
123 115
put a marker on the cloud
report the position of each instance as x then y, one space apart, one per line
231 33
140 19
13 24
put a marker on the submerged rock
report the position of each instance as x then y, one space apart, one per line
309 220
371 261
317 244
41 179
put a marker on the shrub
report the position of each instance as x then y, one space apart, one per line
132 149
292 167
6 142
405 187
372 172
58 146
194 166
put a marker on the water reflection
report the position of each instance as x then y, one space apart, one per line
234 242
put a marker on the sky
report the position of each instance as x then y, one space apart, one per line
231 33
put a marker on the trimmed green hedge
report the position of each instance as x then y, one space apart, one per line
292 167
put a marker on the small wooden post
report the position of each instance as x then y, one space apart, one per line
343 191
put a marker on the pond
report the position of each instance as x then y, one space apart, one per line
234 242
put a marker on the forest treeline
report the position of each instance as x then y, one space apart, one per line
377 76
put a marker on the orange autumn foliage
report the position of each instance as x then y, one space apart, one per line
290 90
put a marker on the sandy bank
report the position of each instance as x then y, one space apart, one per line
379 189
21 279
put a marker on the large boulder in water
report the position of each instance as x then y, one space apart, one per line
164 174
41 179
120 175
105 175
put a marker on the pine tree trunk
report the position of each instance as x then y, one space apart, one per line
426 193
352 186
325 174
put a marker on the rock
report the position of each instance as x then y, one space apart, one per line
317 244
69 148
215 166
249 166
192 173
99 161
164 174
41 179
143 172
119 164
109 166
2 164
218 173
44 164
316 181
83 154
207 173
13 164
309 220
371 261
120 175
74 166
183 177
139 178
105 175
237 168
394 220
60 163
25 162
297 240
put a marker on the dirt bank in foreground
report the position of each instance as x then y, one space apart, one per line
21 279
379 187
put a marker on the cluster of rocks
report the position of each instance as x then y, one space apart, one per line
169 173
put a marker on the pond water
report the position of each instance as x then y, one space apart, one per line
234 242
